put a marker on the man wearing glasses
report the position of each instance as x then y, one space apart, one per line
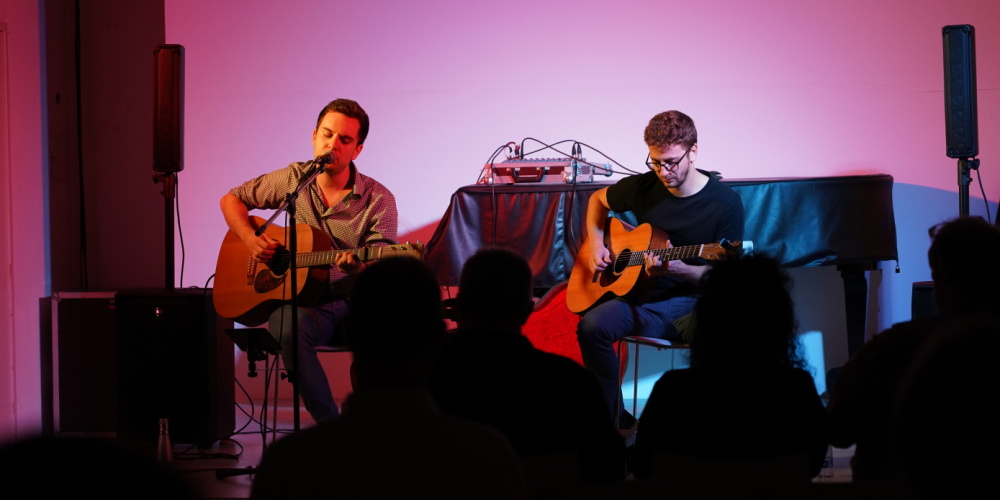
692 207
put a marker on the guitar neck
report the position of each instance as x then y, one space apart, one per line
365 254
327 257
666 254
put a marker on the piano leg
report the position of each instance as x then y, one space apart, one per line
855 303
856 309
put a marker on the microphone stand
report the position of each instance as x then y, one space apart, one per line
289 206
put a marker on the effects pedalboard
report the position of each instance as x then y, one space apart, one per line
565 170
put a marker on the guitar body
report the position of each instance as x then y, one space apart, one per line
619 278
247 291
627 273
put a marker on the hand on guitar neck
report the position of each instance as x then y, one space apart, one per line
349 263
655 266
263 248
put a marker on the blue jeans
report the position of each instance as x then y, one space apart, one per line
318 326
615 319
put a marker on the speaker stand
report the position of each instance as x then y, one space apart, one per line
169 181
964 179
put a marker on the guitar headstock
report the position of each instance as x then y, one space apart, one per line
722 250
403 249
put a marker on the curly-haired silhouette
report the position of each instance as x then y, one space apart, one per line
745 405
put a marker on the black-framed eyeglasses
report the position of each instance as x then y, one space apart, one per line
671 166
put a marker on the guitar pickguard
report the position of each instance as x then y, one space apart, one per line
265 281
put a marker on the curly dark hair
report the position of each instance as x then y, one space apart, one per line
669 128
350 109
745 315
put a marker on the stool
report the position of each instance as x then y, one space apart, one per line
659 345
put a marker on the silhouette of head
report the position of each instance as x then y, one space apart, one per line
962 282
494 292
745 315
395 325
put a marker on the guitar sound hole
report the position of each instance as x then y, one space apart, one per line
621 262
279 261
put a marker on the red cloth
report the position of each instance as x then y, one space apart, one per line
552 327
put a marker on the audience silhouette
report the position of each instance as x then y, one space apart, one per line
745 405
550 408
86 467
862 399
945 437
391 439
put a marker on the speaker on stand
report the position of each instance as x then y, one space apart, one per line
174 359
961 120
168 138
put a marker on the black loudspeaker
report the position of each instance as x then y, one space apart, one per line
84 370
923 304
961 122
175 361
168 109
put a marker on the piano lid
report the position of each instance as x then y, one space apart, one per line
819 221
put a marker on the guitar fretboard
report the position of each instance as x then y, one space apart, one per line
313 259
665 254
326 257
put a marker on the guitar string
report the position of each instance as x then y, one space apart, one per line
636 258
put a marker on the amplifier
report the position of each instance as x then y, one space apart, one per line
560 170
84 371
174 362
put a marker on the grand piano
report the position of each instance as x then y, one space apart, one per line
844 221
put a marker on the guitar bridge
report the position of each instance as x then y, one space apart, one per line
251 270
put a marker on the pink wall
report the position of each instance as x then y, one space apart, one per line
778 88
22 216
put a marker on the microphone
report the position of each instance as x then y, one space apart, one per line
325 158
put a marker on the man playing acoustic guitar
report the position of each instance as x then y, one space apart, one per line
352 209
692 207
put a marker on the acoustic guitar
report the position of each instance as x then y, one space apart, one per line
246 291
628 248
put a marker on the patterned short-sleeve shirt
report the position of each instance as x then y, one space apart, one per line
365 217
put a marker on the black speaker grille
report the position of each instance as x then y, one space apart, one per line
168 109
961 123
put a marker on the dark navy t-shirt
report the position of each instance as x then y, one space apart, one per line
708 216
